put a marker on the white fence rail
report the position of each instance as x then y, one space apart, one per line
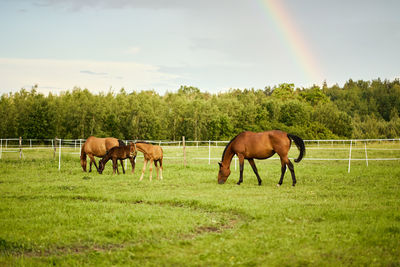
210 151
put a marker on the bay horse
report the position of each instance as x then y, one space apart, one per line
118 153
152 153
97 147
249 145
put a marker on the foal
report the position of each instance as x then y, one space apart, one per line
115 153
97 147
152 153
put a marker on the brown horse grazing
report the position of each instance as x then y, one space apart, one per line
121 153
97 147
152 153
250 146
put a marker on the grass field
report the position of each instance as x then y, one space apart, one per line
72 218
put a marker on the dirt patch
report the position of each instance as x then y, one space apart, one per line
205 229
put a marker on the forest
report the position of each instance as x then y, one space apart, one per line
358 109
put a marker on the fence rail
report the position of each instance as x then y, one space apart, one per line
362 149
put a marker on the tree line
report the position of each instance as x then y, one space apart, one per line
359 109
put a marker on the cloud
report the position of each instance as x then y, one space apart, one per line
97 76
132 50
92 72
114 4
197 6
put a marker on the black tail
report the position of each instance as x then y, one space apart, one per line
121 143
300 145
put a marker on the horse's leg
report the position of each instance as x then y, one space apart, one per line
122 164
133 164
92 160
158 170
241 165
283 170
143 170
291 168
151 169
115 166
160 161
253 165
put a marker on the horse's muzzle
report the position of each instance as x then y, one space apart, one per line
221 181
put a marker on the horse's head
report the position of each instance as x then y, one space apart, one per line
101 166
83 164
132 150
223 173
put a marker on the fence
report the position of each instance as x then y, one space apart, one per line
193 152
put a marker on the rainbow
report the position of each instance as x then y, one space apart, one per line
293 39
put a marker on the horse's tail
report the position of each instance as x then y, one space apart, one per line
300 145
121 143
83 158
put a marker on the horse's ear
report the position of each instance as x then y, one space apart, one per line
220 164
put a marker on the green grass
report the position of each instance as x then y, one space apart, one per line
72 218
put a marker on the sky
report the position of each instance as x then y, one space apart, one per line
214 45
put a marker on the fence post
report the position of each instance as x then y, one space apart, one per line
235 161
54 147
59 155
1 147
351 142
184 151
209 152
20 147
366 155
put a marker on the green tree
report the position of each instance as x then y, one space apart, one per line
8 111
284 91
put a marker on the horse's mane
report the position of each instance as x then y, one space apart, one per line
223 154
121 143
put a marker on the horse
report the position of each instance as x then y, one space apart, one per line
121 153
152 153
97 147
250 145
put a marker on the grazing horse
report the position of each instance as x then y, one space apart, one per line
121 153
97 147
250 146
152 153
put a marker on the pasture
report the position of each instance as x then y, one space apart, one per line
330 218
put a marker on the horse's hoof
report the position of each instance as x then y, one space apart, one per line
238 183
278 185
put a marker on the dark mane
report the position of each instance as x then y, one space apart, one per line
223 154
121 143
